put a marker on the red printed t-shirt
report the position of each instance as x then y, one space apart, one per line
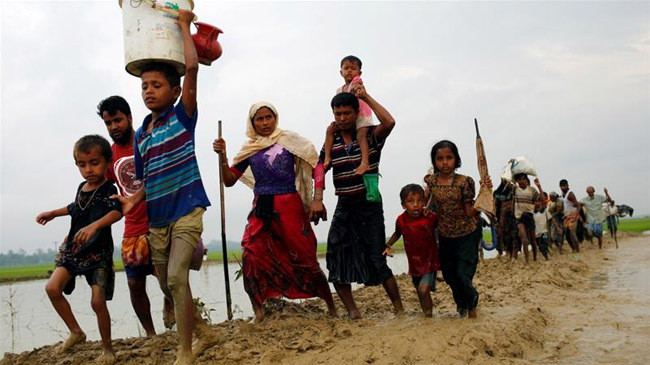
419 242
123 174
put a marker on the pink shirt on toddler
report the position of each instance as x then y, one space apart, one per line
365 113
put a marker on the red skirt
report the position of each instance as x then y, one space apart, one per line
281 261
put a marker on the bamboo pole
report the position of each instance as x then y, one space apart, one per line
223 234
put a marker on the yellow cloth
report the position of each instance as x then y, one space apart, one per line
305 154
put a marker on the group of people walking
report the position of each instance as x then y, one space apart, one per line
531 217
162 198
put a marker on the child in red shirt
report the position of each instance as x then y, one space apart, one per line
418 229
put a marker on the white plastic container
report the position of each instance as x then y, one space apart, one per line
152 35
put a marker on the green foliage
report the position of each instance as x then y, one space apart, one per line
27 271
204 311
634 225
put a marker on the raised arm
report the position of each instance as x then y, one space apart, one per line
609 198
541 191
386 121
188 97
229 178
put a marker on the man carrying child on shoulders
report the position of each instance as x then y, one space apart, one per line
357 236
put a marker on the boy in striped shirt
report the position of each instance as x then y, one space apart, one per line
165 160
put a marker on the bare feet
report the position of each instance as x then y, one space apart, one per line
259 315
184 358
169 319
107 358
354 315
472 313
72 340
204 342
399 309
206 337
362 169
333 313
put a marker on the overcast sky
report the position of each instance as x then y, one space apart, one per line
565 83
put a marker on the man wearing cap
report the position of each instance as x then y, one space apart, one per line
595 215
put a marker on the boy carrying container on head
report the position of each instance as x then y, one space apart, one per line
418 227
351 73
165 161
88 248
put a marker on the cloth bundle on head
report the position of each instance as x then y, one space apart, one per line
305 154
523 165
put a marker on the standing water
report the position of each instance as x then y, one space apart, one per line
29 320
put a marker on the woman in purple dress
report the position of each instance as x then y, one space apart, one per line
279 246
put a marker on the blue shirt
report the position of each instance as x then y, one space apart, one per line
165 160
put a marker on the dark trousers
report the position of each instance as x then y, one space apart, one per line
458 261
356 240
542 244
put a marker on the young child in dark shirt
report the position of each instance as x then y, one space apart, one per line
88 248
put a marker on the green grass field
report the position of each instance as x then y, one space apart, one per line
30 272
634 225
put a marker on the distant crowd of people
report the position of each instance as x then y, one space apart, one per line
530 217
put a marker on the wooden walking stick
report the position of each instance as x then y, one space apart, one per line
223 235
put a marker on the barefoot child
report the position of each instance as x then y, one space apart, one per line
88 248
351 72
452 195
418 229
165 160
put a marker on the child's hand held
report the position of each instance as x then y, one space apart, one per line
388 251
317 212
359 91
126 203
